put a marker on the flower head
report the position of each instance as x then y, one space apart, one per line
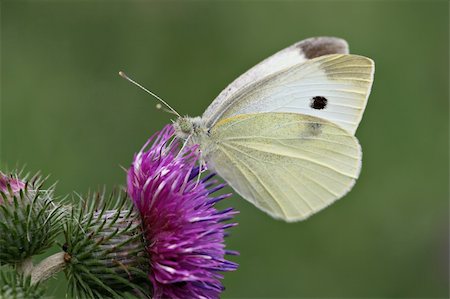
184 232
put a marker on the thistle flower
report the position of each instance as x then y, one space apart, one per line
183 231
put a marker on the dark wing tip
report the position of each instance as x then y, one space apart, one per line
319 46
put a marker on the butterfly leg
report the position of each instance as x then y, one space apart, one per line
202 167
183 146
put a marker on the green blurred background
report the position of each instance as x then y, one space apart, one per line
66 112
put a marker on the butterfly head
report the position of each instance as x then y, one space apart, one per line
186 127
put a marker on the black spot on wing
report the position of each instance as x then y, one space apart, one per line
318 103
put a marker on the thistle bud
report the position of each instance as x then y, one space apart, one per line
17 286
105 250
29 219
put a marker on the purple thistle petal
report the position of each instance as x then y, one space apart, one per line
231 252
184 232
217 188
10 183
218 198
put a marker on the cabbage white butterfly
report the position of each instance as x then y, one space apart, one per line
282 134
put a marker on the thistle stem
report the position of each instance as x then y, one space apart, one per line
25 267
48 267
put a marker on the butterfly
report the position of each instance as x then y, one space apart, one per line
282 134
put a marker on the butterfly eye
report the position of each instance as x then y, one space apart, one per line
318 103
186 127
183 127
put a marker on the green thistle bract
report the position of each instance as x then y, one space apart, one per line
105 250
29 219
17 286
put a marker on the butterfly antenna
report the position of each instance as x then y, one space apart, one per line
160 107
123 75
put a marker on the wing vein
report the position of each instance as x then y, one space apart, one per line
302 158
322 186
262 184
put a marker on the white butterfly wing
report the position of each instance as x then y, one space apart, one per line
288 57
289 165
341 84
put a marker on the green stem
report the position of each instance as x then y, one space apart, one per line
25 267
48 267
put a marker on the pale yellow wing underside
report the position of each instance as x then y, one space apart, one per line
288 165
